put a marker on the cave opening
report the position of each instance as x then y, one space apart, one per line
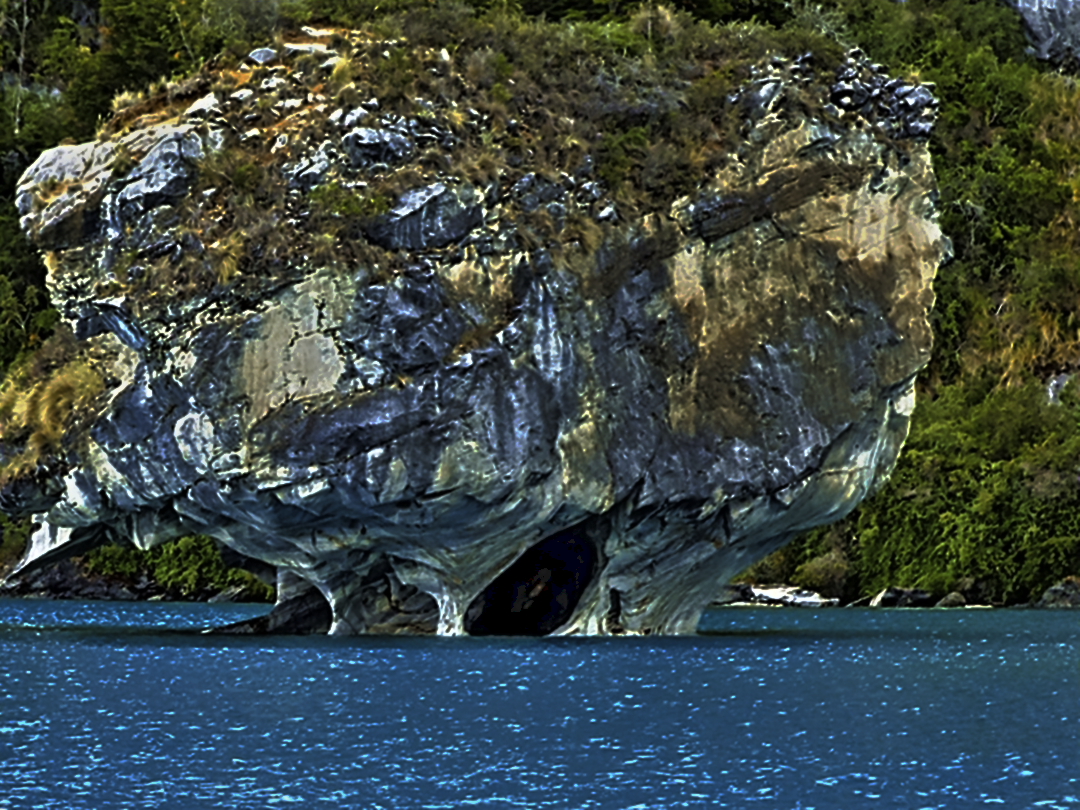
539 592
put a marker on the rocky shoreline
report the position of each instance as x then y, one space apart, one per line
1064 594
72 579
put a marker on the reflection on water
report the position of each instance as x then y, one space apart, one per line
108 706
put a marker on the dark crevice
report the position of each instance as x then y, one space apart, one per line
614 614
539 592
388 606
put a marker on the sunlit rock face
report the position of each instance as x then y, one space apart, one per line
467 431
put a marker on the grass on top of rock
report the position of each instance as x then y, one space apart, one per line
38 400
645 102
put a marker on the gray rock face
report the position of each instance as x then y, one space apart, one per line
100 317
429 217
1053 27
907 110
469 427
377 146
1065 594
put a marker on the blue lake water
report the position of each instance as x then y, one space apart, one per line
107 705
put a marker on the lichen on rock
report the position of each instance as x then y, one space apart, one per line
455 384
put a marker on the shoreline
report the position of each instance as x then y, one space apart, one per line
69 580
73 579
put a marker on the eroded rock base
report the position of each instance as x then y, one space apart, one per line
301 609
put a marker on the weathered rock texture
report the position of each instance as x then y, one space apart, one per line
1053 28
1065 594
465 427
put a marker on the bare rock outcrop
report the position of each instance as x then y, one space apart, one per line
1064 594
499 400
1053 27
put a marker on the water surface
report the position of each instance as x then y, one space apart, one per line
123 705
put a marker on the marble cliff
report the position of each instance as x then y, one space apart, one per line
444 388
1053 28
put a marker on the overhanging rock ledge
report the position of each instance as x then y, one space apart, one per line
470 424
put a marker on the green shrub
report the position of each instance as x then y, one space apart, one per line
14 537
826 574
186 568
619 152
337 200
24 321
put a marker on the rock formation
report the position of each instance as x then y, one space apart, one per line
742 595
1053 28
1064 594
903 597
492 399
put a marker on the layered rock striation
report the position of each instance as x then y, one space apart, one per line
500 400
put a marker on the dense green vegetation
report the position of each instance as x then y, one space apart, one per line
984 501
985 496
13 538
188 568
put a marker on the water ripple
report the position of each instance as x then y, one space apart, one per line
108 707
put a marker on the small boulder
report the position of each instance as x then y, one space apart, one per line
354 118
308 173
164 175
59 195
952 600
734 593
263 56
1065 594
205 107
366 146
302 48
788 596
532 191
428 217
903 597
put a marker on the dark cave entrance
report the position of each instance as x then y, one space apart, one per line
538 593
